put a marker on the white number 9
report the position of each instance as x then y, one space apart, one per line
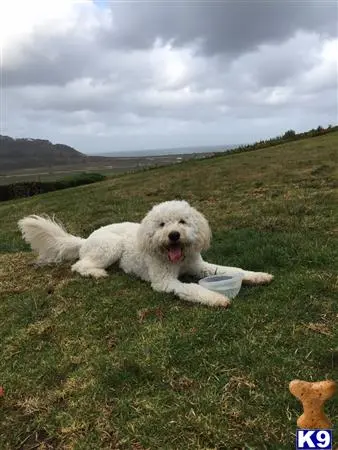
323 439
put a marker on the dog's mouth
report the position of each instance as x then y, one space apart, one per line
175 252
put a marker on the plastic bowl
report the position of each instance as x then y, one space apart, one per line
229 285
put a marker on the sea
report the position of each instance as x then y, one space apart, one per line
167 151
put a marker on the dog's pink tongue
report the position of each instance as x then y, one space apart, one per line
175 254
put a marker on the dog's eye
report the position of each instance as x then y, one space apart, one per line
183 222
162 224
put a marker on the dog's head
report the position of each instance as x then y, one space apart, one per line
173 228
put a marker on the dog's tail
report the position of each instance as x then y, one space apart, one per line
49 239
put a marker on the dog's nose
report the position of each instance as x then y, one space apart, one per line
174 236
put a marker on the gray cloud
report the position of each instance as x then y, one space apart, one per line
52 60
231 27
171 74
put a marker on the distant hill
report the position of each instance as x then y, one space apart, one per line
24 153
28 153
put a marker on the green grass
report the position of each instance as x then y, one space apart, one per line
113 365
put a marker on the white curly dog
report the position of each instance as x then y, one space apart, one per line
165 245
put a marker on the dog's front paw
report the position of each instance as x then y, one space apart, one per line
219 300
257 278
88 271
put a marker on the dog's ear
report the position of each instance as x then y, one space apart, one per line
203 230
144 235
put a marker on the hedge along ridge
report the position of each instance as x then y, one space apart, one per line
30 188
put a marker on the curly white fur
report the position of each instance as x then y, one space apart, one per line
165 245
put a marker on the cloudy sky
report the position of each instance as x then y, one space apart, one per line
123 75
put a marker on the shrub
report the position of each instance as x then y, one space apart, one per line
30 188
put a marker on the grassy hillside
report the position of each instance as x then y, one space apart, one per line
113 365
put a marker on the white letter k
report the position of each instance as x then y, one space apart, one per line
305 437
